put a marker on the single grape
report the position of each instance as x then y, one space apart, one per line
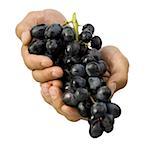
68 34
96 130
102 67
88 27
84 111
78 81
53 31
114 109
69 99
37 47
93 69
96 42
98 109
85 36
94 83
72 49
78 70
81 94
51 46
103 94
38 31
108 122
69 61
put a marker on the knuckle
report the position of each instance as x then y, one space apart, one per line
27 62
124 81
72 119
31 13
35 75
18 29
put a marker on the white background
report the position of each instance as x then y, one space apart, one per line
27 122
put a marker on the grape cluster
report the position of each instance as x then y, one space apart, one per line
83 84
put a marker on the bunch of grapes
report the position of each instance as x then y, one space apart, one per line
80 59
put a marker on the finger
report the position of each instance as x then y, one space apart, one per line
107 74
37 17
46 96
117 81
47 74
55 15
35 61
26 37
48 84
56 98
45 89
31 19
71 113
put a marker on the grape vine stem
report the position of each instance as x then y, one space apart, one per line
75 25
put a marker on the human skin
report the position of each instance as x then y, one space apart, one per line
48 75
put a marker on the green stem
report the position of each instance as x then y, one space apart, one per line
75 25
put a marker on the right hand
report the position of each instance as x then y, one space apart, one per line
41 66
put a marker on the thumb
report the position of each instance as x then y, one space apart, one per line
112 87
117 81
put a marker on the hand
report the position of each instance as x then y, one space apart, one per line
116 77
41 66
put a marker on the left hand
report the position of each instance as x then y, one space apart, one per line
116 77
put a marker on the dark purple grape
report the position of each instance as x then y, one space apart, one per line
102 67
72 48
93 69
88 27
38 31
78 81
69 61
53 31
98 109
96 42
108 122
69 99
52 46
84 111
87 58
85 36
94 83
68 34
78 70
114 109
83 49
37 47
96 130
95 54
103 94
81 94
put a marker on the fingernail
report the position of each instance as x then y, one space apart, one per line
112 87
56 73
46 63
